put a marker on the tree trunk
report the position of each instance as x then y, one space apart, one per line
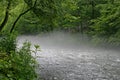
6 16
93 10
81 27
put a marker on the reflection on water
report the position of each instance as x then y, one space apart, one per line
67 57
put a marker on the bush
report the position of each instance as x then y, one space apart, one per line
16 64
8 43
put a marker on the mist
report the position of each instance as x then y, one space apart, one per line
66 56
56 40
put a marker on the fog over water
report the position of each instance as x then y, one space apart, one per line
65 56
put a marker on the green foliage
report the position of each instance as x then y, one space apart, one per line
100 18
30 24
46 11
107 25
18 64
7 43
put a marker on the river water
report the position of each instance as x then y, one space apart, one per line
68 57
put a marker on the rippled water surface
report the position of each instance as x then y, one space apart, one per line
66 57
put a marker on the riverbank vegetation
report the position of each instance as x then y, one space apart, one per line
99 19
16 64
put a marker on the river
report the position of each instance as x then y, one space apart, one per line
68 57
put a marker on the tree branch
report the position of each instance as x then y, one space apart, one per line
6 16
17 19
13 26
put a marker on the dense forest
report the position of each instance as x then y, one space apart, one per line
99 19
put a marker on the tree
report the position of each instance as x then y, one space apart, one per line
46 10
107 25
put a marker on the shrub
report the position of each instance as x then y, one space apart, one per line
7 43
16 64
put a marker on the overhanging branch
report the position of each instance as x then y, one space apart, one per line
20 15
